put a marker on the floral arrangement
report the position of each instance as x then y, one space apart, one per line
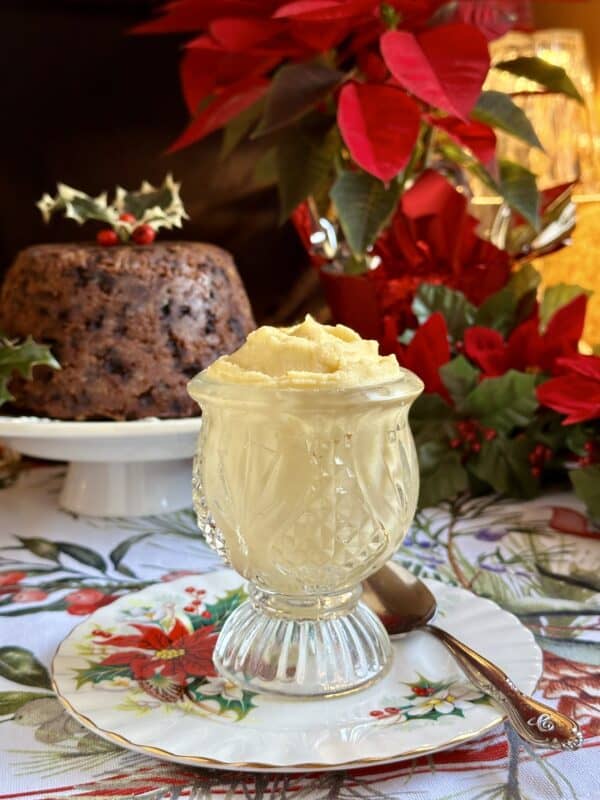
132 216
375 123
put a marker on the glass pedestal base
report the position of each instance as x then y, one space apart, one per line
302 647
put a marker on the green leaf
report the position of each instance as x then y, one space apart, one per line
238 128
518 188
118 553
224 606
430 418
555 297
21 666
12 701
295 89
504 403
586 483
364 205
500 111
305 163
96 673
498 311
460 377
83 554
21 358
43 548
77 206
503 464
442 476
239 707
525 280
265 171
551 77
159 207
456 309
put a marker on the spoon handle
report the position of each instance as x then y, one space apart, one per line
534 721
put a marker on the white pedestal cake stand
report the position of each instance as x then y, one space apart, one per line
116 468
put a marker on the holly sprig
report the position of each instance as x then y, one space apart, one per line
132 215
20 357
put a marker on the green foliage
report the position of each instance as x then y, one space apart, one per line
96 673
442 473
586 483
555 297
295 89
159 207
20 666
304 159
453 305
503 403
12 701
19 358
223 607
364 205
518 188
460 377
499 111
502 464
239 127
551 77
239 707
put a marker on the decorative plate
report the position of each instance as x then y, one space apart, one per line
139 672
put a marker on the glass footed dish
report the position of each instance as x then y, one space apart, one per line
304 493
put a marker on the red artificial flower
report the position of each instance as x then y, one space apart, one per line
575 393
84 601
428 350
432 239
177 654
526 348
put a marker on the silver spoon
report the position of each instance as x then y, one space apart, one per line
404 603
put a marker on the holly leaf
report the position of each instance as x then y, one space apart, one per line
224 606
364 205
12 701
76 205
503 403
20 358
586 482
430 418
503 464
551 77
295 89
555 297
304 160
20 666
498 311
500 111
518 188
460 377
442 476
96 673
159 207
453 305
239 707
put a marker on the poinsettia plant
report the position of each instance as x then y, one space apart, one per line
356 97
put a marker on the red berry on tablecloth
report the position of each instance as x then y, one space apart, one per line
127 216
107 237
143 234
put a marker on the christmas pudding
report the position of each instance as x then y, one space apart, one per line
129 320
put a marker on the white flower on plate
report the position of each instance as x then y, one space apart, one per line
444 701
226 689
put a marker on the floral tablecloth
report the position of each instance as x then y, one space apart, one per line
540 560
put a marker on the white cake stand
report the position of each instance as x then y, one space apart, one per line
116 469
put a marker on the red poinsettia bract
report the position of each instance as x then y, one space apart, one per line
576 392
527 349
177 654
427 352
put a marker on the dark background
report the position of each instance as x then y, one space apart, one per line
87 104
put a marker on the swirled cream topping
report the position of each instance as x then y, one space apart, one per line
305 356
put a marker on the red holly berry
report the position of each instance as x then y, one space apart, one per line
377 713
421 691
589 446
536 472
189 590
585 461
127 216
475 447
143 234
107 237
189 609
489 434
454 443
206 614
459 347
391 710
